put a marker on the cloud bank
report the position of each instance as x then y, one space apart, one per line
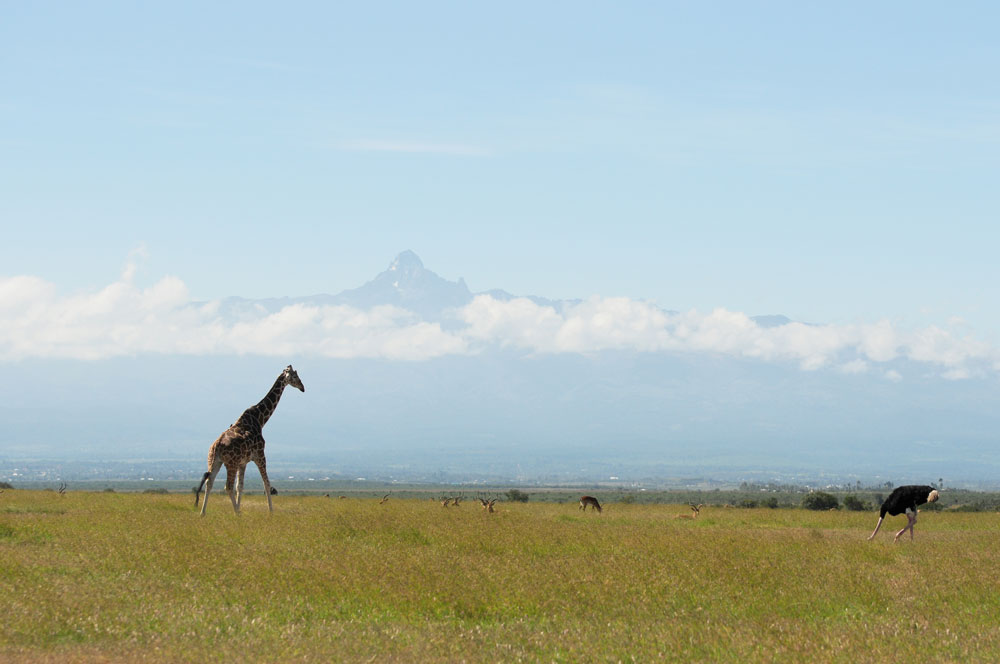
123 319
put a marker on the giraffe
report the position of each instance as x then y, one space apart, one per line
242 443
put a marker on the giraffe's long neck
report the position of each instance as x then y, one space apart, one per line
265 407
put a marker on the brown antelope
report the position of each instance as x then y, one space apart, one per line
445 501
454 501
589 500
488 504
697 511
62 488
384 499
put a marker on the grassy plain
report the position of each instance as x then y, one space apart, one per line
140 577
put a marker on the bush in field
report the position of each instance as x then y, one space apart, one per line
627 498
5 485
820 500
855 504
516 496
771 502
749 504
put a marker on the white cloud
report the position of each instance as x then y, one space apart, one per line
619 323
125 319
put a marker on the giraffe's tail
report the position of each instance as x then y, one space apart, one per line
197 493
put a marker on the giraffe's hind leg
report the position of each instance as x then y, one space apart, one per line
231 471
239 485
208 485
262 467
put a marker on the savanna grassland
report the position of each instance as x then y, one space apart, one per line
140 577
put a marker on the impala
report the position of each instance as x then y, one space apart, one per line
589 500
697 510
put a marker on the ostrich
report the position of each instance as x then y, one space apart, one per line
904 500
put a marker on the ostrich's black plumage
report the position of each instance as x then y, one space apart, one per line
903 497
904 500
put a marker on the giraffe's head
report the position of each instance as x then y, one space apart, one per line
292 378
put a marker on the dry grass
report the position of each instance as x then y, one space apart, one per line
126 577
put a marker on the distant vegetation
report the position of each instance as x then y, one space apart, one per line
855 504
517 496
820 500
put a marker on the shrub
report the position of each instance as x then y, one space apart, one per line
855 504
820 500
771 502
516 496
6 485
749 504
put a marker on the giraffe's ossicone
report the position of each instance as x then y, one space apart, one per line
242 443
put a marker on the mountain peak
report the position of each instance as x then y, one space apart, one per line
409 285
406 261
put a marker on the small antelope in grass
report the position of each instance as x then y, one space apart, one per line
445 501
589 500
384 498
62 488
697 511
488 504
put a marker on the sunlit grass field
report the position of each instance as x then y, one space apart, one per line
133 577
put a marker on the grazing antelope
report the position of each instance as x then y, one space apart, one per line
697 511
62 488
445 501
589 500
341 497
454 501
488 504
384 498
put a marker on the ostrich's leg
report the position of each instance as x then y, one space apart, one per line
877 526
911 519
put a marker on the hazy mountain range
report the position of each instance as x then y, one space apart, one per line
510 410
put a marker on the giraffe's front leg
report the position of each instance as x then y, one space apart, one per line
262 467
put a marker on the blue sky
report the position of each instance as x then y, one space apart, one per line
835 164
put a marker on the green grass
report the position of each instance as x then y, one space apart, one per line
133 577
